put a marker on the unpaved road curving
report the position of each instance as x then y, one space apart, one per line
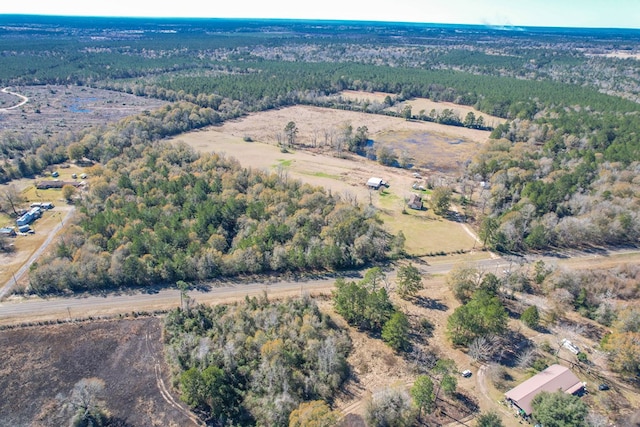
23 99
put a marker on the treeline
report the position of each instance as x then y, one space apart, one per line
82 52
254 363
240 72
266 84
163 213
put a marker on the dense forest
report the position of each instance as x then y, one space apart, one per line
254 363
164 213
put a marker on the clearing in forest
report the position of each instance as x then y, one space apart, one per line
438 151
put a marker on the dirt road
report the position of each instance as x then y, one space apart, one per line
8 287
23 99
18 310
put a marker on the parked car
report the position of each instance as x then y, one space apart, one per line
466 373
603 387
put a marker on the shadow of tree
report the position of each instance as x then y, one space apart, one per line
430 303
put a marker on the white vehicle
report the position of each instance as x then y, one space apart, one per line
466 373
570 346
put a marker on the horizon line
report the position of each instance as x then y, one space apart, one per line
506 27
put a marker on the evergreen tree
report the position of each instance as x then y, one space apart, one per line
531 317
396 332
409 281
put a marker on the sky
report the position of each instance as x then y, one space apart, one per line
551 13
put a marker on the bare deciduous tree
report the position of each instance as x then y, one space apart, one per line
390 407
11 200
527 357
86 396
481 349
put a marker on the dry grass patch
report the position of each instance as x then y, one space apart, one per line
427 233
422 104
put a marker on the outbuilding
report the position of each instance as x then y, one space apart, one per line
24 229
554 378
25 219
376 183
415 202
8 231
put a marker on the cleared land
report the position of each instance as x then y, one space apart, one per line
423 104
429 144
38 364
54 109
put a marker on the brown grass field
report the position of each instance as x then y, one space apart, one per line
424 104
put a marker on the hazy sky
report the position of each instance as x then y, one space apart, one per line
557 13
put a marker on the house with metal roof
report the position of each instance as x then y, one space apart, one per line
376 183
554 378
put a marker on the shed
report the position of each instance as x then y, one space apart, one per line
36 212
570 346
24 229
7 231
554 378
376 183
415 202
